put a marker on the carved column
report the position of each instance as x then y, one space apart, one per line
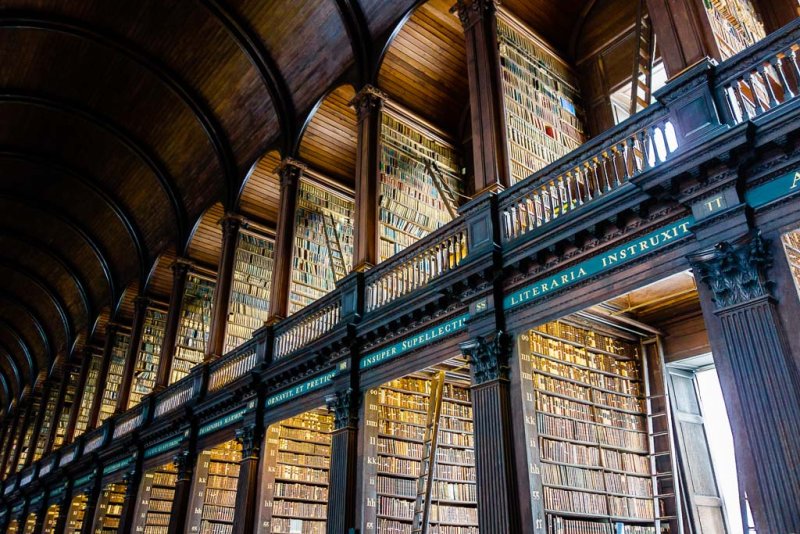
683 33
498 506
184 463
290 172
344 461
140 305
92 498
180 270
250 438
759 381
111 333
222 292
489 147
63 511
368 103
132 480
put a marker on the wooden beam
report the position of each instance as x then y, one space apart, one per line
290 172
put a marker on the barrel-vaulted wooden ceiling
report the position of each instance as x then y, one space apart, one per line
122 123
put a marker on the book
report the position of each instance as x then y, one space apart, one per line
116 366
297 474
415 199
215 483
109 508
541 100
195 322
248 306
323 244
585 387
148 356
156 497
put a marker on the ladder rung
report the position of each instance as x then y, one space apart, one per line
657 414
666 517
664 496
665 474
656 454
661 433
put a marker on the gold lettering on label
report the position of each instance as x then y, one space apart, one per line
796 180
714 204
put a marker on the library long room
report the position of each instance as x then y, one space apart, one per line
400 267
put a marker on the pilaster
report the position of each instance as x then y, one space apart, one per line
180 270
184 463
250 437
231 224
489 147
342 487
759 381
498 506
290 172
368 104
140 305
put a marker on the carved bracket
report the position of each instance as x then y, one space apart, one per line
735 272
249 440
342 405
488 356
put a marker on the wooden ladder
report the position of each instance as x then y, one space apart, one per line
663 468
642 80
335 256
428 464
449 196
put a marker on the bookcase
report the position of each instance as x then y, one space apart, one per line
12 450
791 247
116 366
76 514
48 421
148 355
419 456
194 326
90 389
51 519
28 433
323 243
30 524
214 496
72 377
109 509
735 25
156 496
248 306
541 100
13 527
583 400
296 474
421 182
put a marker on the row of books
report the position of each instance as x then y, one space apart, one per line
583 356
113 382
215 501
149 355
589 338
587 377
194 326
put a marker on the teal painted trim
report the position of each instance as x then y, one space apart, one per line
222 422
306 387
416 341
164 446
611 259
773 190
116 466
36 500
83 480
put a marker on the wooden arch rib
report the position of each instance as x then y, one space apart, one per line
248 41
15 301
14 368
33 242
329 137
66 171
136 147
6 391
30 361
62 218
199 108
51 294
360 41
159 279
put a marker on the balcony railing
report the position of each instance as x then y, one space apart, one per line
762 77
308 325
431 257
589 173
233 366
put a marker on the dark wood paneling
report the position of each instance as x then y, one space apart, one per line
329 141
261 194
206 242
425 67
